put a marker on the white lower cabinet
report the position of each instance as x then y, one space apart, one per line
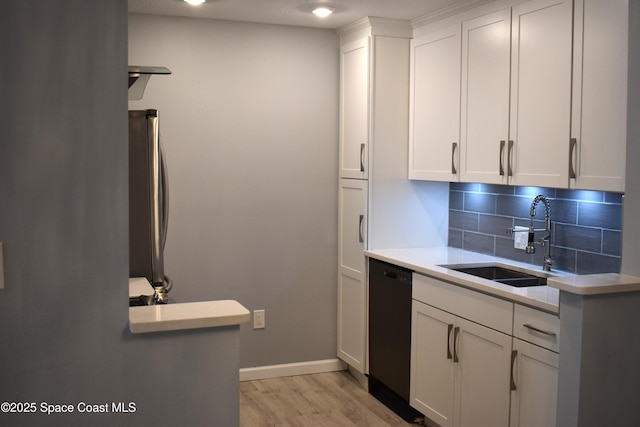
482 376
459 368
432 367
534 368
535 386
474 361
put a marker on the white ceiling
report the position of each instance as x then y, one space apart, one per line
295 12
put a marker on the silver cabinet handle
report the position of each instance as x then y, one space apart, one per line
500 158
449 329
509 151
454 145
542 331
361 157
514 354
360 234
456 331
572 149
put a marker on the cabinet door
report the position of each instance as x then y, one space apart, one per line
352 232
541 49
354 109
351 321
482 376
434 119
484 126
352 226
535 377
599 123
432 367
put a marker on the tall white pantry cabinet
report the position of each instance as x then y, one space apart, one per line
378 206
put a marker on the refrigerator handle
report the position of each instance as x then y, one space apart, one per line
167 284
157 273
164 174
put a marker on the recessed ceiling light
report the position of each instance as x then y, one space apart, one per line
195 2
322 11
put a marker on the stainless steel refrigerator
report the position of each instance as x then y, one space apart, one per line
148 203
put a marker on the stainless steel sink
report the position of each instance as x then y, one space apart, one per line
503 275
142 300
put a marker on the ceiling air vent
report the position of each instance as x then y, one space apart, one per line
138 78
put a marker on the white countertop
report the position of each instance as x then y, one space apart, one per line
596 284
181 316
139 286
429 261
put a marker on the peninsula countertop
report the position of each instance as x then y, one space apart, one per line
181 316
597 284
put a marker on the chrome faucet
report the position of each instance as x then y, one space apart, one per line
545 241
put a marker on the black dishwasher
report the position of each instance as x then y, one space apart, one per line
390 336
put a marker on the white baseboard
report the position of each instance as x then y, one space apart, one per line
361 378
290 369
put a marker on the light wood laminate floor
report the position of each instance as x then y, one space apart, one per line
328 399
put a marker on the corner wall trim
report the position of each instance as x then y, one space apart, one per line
290 369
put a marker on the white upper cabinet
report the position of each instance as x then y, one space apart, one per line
540 102
434 121
599 124
484 124
354 109
541 49
495 91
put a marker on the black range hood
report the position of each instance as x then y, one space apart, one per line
138 78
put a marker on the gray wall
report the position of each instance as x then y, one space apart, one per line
63 198
64 224
249 119
631 205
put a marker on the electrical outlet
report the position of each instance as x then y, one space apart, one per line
520 237
258 319
1 267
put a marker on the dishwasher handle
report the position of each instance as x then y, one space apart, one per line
390 274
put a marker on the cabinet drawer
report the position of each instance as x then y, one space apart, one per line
489 311
536 327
